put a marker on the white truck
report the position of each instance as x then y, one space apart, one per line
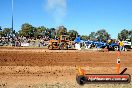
128 44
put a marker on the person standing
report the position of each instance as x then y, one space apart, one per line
121 45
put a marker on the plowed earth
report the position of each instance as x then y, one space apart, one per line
42 68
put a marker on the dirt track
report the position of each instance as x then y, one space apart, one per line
41 68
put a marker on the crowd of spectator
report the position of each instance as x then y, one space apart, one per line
23 41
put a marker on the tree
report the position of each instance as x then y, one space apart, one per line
130 34
27 30
16 34
124 34
61 30
0 28
102 35
1 33
34 32
41 30
84 37
7 32
52 32
38 32
92 36
20 33
72 34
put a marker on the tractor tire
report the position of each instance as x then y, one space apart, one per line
50 47
63 46
81 80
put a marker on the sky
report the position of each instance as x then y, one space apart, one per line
84 16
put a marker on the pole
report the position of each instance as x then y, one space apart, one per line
12 21
0 31
131 40
12 18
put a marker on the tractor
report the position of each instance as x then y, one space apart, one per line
61 43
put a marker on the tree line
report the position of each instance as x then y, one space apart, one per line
29 31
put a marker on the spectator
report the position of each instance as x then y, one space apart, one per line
121 45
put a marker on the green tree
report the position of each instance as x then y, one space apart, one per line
7 32
52 32
61 30
84 37
27 30
0 28
130 34
34 32
41 30
47 32
20 33
72 34
1 33
124 34
16 34
92 36
102 35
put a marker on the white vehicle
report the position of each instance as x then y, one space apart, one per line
127 44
